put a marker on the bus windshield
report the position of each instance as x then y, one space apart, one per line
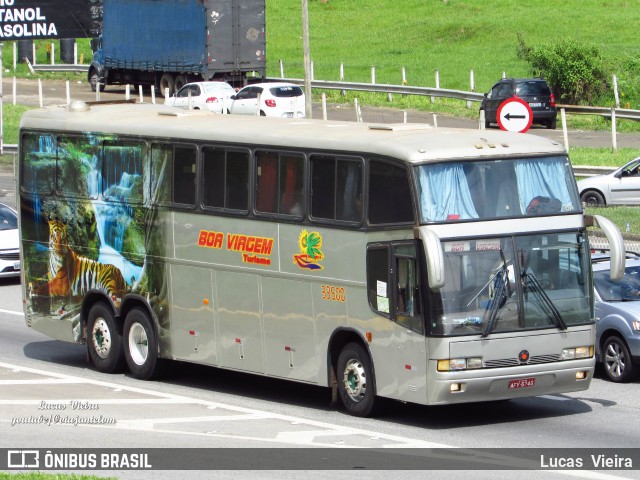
513 283
501 188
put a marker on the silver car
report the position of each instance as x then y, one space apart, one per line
621 187
617 318
9 242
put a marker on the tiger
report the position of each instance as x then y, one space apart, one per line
71 275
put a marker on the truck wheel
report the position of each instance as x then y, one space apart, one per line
166 81
141 347
104 339
356 385
180 82
94 78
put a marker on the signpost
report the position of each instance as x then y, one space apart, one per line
515 115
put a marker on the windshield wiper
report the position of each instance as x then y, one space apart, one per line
500 296
499 299
546 304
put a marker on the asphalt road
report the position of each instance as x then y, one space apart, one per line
54 92
203 407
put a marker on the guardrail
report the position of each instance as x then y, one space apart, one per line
61 68
603 111
384 88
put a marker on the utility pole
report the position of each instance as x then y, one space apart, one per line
307 59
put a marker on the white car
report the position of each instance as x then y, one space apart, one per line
212 96
276 100
9 242
621 187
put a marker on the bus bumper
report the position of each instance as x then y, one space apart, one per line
507 383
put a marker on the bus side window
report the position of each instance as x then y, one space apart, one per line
378 279
161 168
336 188
279 185
184 179
226 178
407 305
389 194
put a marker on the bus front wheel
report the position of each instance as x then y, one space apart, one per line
140 346
104 339
356 385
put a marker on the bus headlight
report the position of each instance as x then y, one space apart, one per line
577 352
457 364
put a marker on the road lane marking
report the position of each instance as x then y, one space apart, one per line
303 438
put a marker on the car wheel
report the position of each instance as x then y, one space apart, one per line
617 361
356 384
104 339
552 124
592 198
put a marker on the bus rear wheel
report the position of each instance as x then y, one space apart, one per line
356 385
141 347
104 339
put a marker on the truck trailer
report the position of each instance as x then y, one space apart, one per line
167 43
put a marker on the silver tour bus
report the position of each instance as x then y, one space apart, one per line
420 264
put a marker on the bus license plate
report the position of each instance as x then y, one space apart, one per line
522 383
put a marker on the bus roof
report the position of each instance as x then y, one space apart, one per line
411 142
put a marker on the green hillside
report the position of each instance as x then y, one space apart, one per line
451 36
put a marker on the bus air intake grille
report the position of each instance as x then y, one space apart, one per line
513 362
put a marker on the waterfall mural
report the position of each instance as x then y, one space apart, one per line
85 223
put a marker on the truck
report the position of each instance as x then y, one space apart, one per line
168 43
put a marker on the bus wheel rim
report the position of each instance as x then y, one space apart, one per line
355 381
101 337
138 344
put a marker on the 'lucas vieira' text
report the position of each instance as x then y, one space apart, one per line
597 461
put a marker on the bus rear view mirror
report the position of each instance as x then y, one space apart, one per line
435 257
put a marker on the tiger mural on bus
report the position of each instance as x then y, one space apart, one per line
72 276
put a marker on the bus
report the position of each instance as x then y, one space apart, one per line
420 264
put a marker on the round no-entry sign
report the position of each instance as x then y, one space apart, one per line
515 115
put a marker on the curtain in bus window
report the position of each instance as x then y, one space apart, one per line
323 187
184 171
39 155
266 196
543 178
237 181
213 167
445 193
350 208
290 196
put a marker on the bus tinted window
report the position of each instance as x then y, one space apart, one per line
122 172
39 154
279 183
76 155
173 174
226 178
496 188
389 194
378 279
336 188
